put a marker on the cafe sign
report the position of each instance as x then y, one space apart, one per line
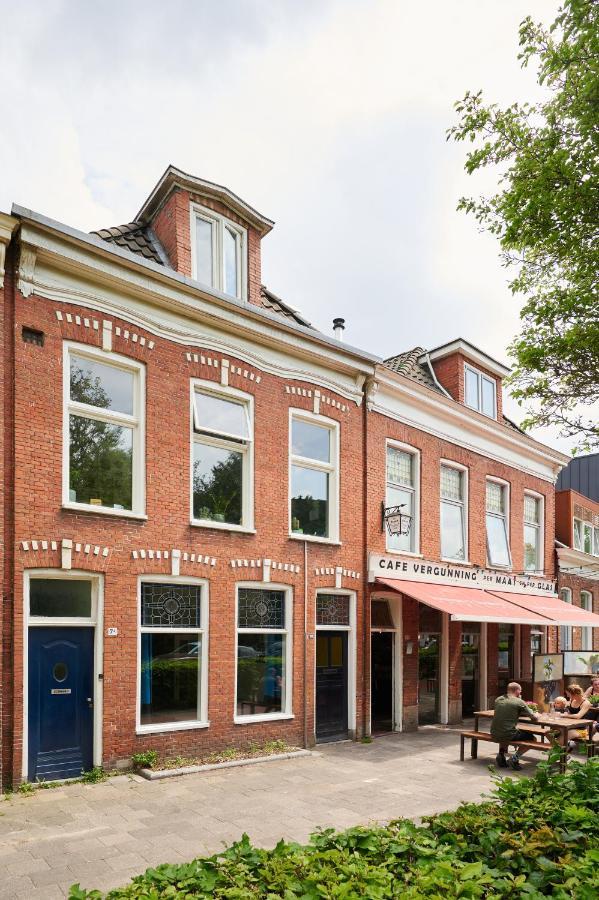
410 569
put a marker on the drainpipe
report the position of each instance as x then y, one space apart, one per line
365 598
434 377
305 643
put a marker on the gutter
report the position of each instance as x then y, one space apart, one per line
427 359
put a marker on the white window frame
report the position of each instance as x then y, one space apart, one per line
589 526
136 422
351 652
575 519
450 464
202 721
219 223
565 631
95 620
331 468
596 540
506 487
287 711
480 378
203 386
541 526
586 603
415 490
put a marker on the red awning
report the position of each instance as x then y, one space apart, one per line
467 604
552 608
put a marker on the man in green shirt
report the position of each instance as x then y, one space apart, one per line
504 727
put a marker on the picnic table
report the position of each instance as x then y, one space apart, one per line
546 723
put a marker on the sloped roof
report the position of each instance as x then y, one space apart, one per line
271 301
136 238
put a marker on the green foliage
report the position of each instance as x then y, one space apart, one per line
145 759
536 837
94 776
546 215
26 787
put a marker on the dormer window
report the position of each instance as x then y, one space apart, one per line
481 392
219 252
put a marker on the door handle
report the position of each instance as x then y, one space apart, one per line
90 702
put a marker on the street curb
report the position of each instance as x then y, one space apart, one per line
152 775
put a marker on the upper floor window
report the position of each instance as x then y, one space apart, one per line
402 490
453 513
222 457
481 391
314 477
219 252
533 533
104 459
565 630
497 517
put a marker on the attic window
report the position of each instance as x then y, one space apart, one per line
219 252
33 336
481 392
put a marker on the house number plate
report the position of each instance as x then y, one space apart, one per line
60 691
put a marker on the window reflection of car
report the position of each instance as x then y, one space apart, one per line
183 651
244 652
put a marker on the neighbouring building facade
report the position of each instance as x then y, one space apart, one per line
194 479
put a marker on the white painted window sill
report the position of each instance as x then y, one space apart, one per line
105 511
165 727
457 562
313 539
264 717
221 526
409 553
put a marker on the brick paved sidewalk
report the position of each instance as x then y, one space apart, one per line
100 835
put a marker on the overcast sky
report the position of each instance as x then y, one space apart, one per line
328 116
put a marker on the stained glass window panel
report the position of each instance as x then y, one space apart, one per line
332 609
531 509
451 483
171 605
258 608
495 498
399 466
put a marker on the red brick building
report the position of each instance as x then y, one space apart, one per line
193 486
577 540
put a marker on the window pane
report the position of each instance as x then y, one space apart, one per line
588 539
221 416
495 498
100 457
101 385
472 389
451 483
332 609
260 673
577 534
170 677
56 597
259 608
231 239
452 531
488 396
497 546
399 466
531 548
171 605
309 501
217 484
397 497
531 509
204 255
311 441
596 542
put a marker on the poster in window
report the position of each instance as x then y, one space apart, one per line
581 662
548 677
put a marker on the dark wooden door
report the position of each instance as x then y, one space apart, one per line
331 685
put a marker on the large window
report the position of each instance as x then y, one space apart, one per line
402 490
481 392
497 517
104 442
453 513
172 677
565 631
220 252
263 653
586 602
222 458
314 481
533 533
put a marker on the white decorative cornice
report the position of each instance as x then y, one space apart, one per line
7 226
575 562
370 390
27 260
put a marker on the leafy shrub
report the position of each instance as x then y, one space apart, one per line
94 776
535 837
145 759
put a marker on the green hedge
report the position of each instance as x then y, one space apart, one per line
536 837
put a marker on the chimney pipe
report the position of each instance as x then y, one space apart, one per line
338 328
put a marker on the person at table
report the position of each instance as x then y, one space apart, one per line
560 705
504 728
579 708
592 689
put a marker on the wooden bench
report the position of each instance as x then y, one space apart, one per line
475 736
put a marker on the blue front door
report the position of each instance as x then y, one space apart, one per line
61 666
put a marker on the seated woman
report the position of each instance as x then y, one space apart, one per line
578 708
592 689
